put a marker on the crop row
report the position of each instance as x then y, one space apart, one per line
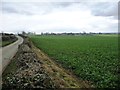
92 58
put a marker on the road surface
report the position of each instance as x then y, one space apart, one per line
7 53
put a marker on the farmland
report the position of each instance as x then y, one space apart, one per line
91 58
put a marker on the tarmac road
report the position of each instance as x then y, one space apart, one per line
7 53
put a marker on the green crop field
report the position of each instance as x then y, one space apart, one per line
91 58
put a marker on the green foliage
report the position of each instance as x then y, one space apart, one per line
92 58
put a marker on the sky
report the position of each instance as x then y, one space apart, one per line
59 16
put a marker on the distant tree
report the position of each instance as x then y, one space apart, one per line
23 33
84 32
99 33
34 33
42 33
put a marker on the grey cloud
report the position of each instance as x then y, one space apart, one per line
30 8
62 4
9 10
49 7
105 9
8 7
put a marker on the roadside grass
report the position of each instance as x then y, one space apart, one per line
0 43
92 58
5 43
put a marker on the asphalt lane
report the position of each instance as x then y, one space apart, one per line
7 53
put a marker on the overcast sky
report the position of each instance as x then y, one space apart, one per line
59 16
